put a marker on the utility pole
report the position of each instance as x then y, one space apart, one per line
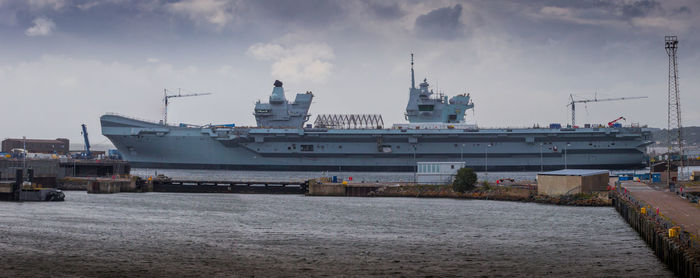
674 108
565 147
24 154
541 159
415 164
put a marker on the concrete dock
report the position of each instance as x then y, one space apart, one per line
668 222
677 209
50 172
317 188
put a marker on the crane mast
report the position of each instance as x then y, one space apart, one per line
166 98
573 102
88 154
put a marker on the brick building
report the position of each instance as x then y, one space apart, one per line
57 146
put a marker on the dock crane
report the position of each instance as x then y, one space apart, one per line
166 97
87 153
611 123
595 99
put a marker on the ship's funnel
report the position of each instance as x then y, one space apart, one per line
277 93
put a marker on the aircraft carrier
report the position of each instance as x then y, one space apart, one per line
435 132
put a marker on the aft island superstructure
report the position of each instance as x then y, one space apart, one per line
436 132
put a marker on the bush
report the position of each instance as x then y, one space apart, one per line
464 180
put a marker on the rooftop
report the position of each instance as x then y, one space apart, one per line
575 172
52 141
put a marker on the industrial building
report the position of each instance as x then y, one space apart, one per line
437 172
53 146
571 181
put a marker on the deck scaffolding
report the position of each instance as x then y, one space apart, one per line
349 121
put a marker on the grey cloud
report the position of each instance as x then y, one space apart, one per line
442 23
683 10
580 4
596 9
639 8
385 11
305 13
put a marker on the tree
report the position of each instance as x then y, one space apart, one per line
464 180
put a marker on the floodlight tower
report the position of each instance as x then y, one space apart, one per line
674 107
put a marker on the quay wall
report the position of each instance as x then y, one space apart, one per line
677 253
498 193
106 185
326 189
240 189
60 168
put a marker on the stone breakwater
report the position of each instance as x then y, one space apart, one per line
499 193
682 259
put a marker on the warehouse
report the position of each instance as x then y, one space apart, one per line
54 146
572 181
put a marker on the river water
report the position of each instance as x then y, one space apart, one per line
174 235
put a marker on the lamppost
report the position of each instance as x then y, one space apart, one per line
461 154
486 164
567 144
415 164
24 152
541 159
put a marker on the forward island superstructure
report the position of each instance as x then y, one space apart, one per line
436 132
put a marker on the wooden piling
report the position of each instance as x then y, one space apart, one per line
678 258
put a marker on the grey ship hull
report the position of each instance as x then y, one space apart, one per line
151 145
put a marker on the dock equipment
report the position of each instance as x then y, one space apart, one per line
595 99
166 97
612 123
87 153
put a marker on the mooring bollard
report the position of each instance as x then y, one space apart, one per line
673 232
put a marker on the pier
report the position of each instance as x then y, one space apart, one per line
164 184
668 220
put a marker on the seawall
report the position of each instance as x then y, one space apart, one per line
679 254
498 193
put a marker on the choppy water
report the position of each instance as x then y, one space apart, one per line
164 234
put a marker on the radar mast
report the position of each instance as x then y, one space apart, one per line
413 79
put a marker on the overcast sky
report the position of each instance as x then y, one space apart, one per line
65 62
